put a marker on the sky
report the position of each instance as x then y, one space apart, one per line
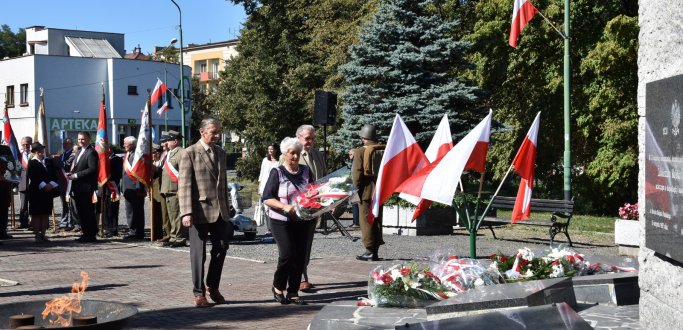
146 23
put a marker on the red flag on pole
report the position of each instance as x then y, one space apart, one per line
159 90
524 167
522 13
439 180
8 138
402 158
102 146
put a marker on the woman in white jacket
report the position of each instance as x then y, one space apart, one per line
269 162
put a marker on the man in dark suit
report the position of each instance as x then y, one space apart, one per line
83 178
202 195
134 194
111 198
23 183
67 146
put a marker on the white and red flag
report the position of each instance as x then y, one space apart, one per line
158 91
441 143
102 146
524 167
141 167
163 109
439 180
402 158
522 13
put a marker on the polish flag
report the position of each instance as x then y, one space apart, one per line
402 158
441 143
522 13
524 167
158 92
438 181
141 167
163 108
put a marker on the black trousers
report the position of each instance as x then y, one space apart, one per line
23 211
111 213
3 221
135 213
217 233
84 211
292 239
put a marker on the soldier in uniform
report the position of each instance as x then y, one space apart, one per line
169 189
371 233
162 227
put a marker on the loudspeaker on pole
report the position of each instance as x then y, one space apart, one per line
325 108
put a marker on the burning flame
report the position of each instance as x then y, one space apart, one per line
63 307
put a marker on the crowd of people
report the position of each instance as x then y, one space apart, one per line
190 200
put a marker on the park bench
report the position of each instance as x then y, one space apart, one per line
561 215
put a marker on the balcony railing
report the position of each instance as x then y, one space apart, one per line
206 76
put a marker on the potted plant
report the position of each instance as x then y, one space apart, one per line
627 228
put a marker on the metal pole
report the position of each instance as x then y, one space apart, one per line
182 80
567 107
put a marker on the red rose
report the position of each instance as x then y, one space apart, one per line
523 262
386 278
503 259
405 271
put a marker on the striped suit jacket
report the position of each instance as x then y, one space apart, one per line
203 187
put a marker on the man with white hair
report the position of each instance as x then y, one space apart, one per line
133 192
315 160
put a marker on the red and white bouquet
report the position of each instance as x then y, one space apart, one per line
324 194
406 285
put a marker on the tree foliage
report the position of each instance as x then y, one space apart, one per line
12 44
524 80
403 64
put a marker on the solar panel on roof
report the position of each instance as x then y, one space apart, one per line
89 47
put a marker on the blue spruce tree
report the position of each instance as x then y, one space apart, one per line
405 62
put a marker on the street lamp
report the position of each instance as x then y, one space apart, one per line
182 77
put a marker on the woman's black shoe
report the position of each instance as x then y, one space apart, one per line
297 300
279 297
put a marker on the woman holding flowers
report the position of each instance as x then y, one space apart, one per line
284 183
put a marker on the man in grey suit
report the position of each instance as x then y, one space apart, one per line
315 160
202 195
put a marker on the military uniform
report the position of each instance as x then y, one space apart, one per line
371 233
162 226
169 190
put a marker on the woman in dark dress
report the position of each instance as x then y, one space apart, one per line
289 231
42 188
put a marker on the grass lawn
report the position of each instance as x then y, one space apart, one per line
587 223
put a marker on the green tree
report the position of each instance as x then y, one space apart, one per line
522 81
12 44
404 64
610 148
202 107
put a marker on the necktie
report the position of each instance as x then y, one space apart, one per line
211 156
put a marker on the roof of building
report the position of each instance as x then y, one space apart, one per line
92 47
137 56
192 47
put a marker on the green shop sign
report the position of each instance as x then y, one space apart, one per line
73 124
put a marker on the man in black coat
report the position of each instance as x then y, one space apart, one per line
83 178
111 206
66 220
23 183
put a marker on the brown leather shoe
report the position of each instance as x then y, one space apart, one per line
200 301
305 286
216 296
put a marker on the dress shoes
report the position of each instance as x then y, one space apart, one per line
164 240
368 256
305 286
178 244
216 296
200 301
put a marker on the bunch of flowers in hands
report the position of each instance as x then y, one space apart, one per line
323 195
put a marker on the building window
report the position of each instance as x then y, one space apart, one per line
23 92
10 96
132 90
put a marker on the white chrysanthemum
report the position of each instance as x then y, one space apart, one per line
478 282
529 273
494 265
558 271
525 254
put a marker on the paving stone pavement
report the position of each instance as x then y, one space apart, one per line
157 280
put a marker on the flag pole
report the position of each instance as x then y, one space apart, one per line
151 164
488 206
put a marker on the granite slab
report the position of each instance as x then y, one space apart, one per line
555 316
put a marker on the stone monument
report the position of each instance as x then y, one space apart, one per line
660 99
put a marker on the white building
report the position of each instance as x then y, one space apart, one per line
73 67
